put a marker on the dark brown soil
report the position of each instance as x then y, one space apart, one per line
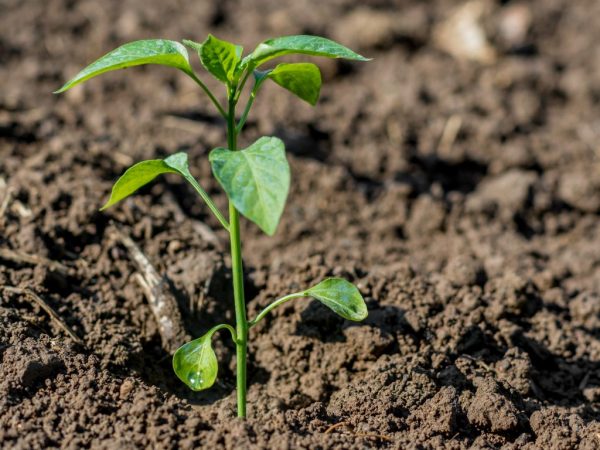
479 256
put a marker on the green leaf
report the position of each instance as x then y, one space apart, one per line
341 296
195 363
302 79
151 51
143 173
303 44
256 180
134 178
218 57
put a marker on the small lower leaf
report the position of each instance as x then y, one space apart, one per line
195 363
341 296
144 172
135 177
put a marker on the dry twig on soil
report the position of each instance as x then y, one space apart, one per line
5 201
450 133
20 257
161 300
28 293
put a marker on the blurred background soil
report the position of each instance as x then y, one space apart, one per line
455 178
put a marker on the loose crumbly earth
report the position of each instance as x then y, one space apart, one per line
477 249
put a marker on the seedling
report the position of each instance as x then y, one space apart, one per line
256 179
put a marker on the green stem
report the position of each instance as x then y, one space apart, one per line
216 328
210 94
274 305
209 202
237 272
253 93
242 84
245 113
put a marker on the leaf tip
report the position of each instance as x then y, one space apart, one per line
270 232
62 89
361 316
107 205
268 228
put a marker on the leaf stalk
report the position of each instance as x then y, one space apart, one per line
222 326
213 99
244 116
274 305
209 202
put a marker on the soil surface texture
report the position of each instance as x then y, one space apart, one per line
455 179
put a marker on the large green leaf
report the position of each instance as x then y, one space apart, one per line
218 57
256 180
151 51
302 79
341 296
195 363
303 44
143 173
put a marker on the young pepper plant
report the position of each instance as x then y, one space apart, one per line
256 179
